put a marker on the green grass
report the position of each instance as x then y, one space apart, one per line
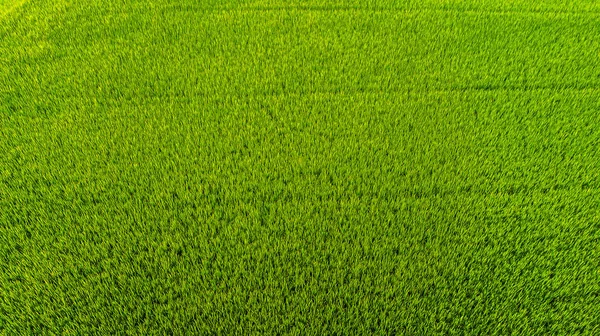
300 167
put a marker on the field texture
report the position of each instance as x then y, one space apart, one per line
313 167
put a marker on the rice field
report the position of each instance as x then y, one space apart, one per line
305 167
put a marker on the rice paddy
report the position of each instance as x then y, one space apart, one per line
332 167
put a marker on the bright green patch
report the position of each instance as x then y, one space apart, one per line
8 6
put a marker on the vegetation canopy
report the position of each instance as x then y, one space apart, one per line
310 167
